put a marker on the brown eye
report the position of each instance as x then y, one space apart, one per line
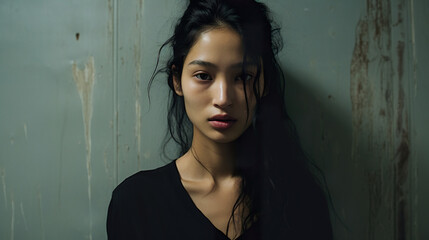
203 76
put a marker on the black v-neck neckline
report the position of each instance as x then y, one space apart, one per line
196 211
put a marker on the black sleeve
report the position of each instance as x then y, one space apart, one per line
113 223
121 220
126 213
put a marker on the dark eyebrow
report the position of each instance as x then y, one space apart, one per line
203 63
211 65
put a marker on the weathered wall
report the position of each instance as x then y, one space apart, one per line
56 155
356 79
75 119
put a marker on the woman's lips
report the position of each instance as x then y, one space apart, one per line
222 121
221 124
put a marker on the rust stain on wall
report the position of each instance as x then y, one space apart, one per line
84 80
360 89
380 124
401 95
402 156
401 187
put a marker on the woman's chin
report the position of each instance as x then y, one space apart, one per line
224 138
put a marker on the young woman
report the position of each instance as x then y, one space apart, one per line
241 173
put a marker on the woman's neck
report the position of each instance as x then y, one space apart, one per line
209 160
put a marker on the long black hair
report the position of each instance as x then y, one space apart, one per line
278 183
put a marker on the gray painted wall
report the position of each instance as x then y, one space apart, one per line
75 119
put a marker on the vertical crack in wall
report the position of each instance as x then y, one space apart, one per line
137 63
84 80
379 117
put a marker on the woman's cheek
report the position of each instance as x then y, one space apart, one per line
195 102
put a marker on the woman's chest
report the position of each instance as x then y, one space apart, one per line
217 206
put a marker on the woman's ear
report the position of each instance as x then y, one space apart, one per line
176 81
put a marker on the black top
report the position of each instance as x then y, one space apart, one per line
153 204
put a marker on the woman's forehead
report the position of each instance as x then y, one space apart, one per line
218 48
219 44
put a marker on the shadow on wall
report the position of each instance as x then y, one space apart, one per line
325 132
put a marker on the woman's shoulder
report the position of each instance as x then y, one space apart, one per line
145 180
137 201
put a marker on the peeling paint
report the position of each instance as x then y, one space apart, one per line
84 80
24 219
12 220
25 131
3 182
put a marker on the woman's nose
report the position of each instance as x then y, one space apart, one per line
222 94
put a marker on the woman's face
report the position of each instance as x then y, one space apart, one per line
212 86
